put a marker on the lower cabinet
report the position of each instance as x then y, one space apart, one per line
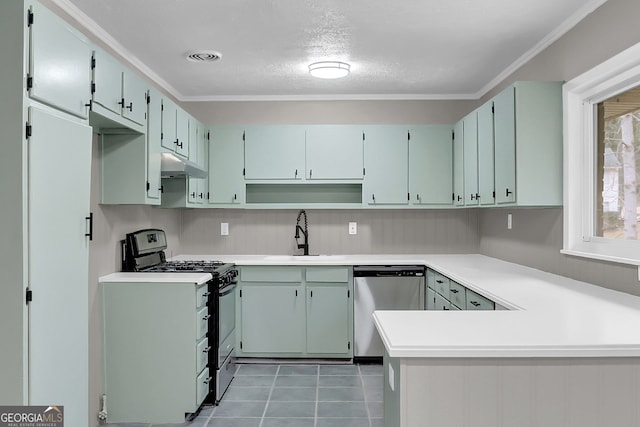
154 362
286 311
446 294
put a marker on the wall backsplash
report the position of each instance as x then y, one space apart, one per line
379 231
536 240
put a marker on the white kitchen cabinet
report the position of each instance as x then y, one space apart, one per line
59 63
458 164
274 152
486 181
334 152
430 165
118 93
470 144
142 344
175 128
154 145
197 190
226 166
45 164
386 160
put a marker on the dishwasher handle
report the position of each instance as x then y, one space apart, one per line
388 271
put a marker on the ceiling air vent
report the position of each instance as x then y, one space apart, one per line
203 56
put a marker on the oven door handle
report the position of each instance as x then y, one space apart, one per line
228 290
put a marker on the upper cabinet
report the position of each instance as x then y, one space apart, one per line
486 182
386 161
175 128
470 162
117 92
226 155
527 123
274 152
59 63
334 152
430 165
458 164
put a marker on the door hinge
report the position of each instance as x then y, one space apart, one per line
161 136
363 136
243 136
28 131
348 293
93 88
240 293
28 296
363 171
244 171
348 345
408 136
453 135
29 82
148 186
93 62
493 109
240 345
29 19
208 136
148 99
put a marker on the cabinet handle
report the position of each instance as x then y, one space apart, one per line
235 197
477 196
178 143
311 294
121 103
207 317
439 281
474 303
508 193
459 198
418 197
193 194
374 198
90 219
206 294
296 292
310 172
129 107
455 291
296 174
473 197
201 195
206 350
208 380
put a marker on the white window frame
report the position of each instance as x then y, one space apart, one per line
580 96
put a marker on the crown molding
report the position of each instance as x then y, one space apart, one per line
330 97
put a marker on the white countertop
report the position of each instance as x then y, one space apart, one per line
141 277
549 316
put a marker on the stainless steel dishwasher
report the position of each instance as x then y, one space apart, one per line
382 287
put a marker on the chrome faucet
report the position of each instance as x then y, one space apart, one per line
305 231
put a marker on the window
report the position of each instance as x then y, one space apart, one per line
602 161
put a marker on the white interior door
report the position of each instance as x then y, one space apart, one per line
59 187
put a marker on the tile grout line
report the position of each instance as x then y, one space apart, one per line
273 385
315 417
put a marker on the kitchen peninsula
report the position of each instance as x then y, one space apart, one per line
565 353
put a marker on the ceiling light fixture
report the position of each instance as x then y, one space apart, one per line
329 69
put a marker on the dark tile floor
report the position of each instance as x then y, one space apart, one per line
299 395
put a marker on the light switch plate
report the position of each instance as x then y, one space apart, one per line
224 228
392 378
509 221
353 228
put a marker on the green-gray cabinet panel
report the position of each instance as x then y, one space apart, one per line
273 318
327 274
505 146
59 63
226 163
431 299
334 152
154 144
134 93
386 159
182 133
58 261
430 165
470 137
271 273
107 80
328 319
458 164
486 184
274 152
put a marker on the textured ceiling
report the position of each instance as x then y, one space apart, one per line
397 49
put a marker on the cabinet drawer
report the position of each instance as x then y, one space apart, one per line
328 274
202 322
202 296
442 285
202 386
457 294
202 354
442 303
476 301
271 274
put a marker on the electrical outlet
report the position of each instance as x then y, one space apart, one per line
509 221
353 228
224 228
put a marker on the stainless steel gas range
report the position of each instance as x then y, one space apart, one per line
143 250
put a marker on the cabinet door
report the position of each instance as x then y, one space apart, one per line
334 152
431 299
195 145
60 64
386 158
59 260
107 82
458 164
470 138
430 165
505 146
273 319
182 132
134 93
441 303
154 142
226 154
328 319
274 152
486 187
